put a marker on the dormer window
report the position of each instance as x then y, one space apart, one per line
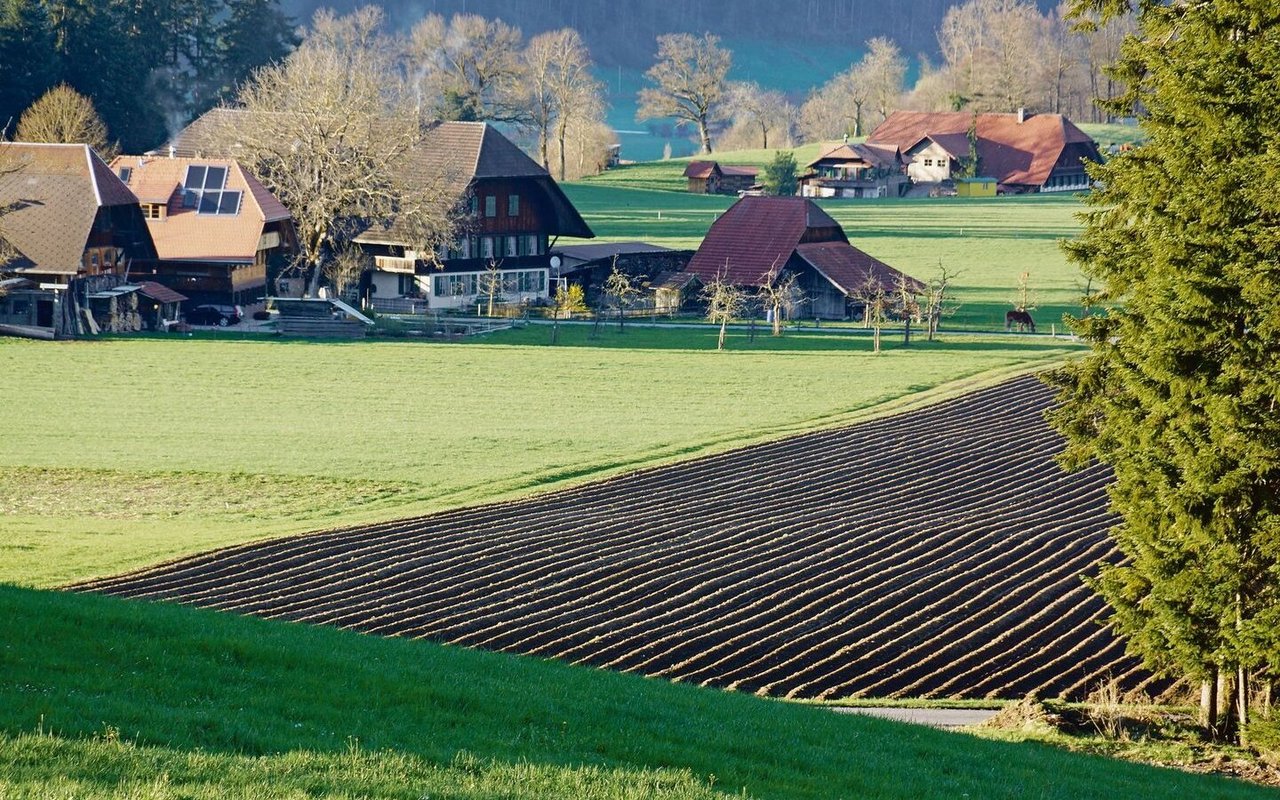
204 189
153 210
125 174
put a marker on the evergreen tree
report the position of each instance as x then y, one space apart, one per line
779 176
1181 392
26 52
254 34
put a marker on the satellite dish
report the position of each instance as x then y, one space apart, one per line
555 262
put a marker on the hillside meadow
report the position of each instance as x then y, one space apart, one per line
107 698
131 451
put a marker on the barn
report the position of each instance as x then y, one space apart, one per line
760 240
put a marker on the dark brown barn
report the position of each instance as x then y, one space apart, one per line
761 239
711 177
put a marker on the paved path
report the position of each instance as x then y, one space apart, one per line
936 717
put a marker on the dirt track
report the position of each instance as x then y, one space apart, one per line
933 554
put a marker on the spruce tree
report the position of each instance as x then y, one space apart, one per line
254 34
27 57
1181 391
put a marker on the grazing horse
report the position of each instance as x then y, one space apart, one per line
1020 318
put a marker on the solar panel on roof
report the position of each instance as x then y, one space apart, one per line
230 203
195 177
216 179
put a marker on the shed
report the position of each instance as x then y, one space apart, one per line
975 187
712 177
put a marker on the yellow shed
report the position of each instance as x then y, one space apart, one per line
976 187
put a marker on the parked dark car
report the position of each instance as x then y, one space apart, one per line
213 314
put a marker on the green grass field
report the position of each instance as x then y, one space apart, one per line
107 698
139 450
989 241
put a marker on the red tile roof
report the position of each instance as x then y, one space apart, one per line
1012 152
58 189
184 235
758 235
850 270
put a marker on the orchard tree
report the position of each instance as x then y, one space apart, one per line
780 295
1181 392
725 302
690 82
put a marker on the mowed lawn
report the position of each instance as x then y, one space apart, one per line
989 242
121 453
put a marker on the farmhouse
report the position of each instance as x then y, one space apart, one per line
515 214
1021 152
711 177
589 265
219 233
70 219
855 170
762 239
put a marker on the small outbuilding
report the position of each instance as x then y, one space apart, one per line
712 177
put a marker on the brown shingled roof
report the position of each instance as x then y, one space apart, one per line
57 190
185 235
850 270
759 234
705 169
1012 152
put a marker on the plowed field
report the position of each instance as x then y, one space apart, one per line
933 554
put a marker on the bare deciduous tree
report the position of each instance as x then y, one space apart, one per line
875 307
329 131
63 115
469 68
561 89
939 301
874 85
690 82
624 289
780 295
725 302
491 285
759 116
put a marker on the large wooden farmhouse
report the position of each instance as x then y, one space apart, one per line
1022 152
514 213
70 222
762 239
217 230
855 170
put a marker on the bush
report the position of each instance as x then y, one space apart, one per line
1263 735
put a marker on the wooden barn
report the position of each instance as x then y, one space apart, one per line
762 239
712 177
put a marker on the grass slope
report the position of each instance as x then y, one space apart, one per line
162 701
146 449
989 241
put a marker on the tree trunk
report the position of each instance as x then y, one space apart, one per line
906 331
720 343
543 146
561 134
875 340
704 134
764 135
777 319
1209 706
1242 704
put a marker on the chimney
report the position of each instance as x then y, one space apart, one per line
1022 117
173 150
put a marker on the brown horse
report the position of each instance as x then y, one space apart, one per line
1020 318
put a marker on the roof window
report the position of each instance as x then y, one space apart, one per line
204 189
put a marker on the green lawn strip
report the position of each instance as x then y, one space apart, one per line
146 450
989 242
290 704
